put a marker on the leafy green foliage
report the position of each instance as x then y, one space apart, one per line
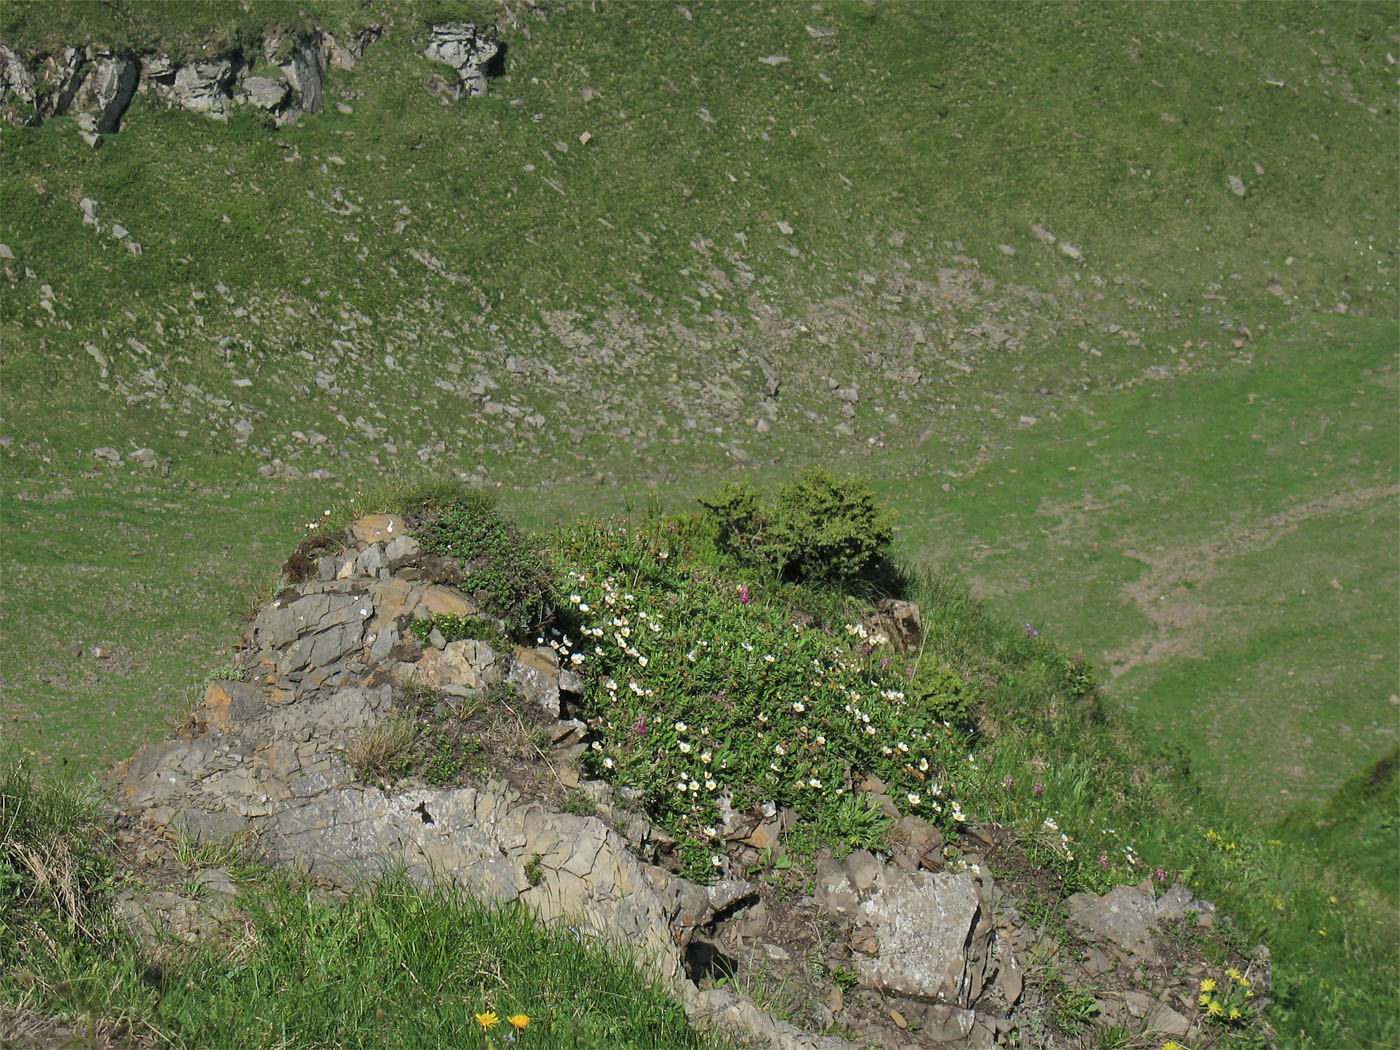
944 693
704 694
454 628
509 578
817 530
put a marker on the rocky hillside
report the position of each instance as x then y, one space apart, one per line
917 946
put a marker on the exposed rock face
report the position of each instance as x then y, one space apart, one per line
108 89
466 49
75 79
285 80
267 754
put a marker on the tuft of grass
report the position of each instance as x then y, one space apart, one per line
377 752
53 862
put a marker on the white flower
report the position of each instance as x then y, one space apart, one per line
821 741
923 765
577 658
710 784
779 749
685 748
717 861
583 607
597 745
705 757
768 658
691 655
694 785
610 685
814 782
642 660
607 763
575 598
681 727
799 706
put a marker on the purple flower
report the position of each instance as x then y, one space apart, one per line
1008 783
744 596
1160 874
1031 632
638 728
1038 789
1103 861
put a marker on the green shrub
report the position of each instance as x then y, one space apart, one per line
943 693
507 577
819 529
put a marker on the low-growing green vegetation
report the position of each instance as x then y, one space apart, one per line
500 570
391 965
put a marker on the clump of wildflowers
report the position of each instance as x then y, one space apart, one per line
1228 1002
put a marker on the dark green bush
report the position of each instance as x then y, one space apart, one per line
944 694
819 529
505 575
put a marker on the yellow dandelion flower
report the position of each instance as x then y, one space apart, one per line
1208 985
1172 1044
1204 999
1236 1013
488 1020
1235 975
1215 1009
518 1021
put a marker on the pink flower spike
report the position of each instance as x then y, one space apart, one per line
744 596
1038 789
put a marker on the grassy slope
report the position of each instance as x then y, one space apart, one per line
900 165
643 276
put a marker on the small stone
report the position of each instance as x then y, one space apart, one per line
119 231
5 252
784 228
774 60
1236 185
133 248
900 1021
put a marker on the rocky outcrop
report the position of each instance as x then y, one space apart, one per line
931 951
467 49
77 79
283 78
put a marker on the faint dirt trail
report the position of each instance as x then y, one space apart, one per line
1182 623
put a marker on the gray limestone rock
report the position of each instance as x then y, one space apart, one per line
466 49
267 93
201 87
925 924
108 89
1123 915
